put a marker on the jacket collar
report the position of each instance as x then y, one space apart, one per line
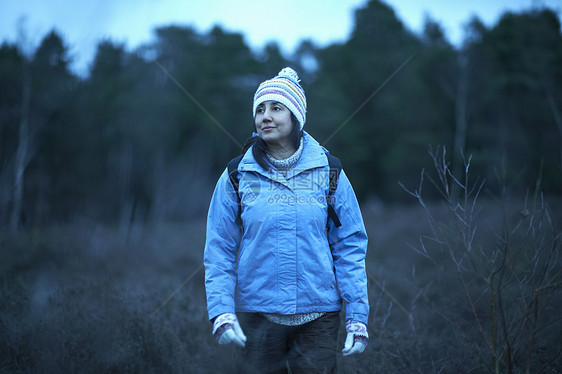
313 156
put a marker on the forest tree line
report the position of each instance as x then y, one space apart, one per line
147 132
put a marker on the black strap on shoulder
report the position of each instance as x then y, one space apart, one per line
232 169
335 169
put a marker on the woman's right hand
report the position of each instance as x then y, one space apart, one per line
226 330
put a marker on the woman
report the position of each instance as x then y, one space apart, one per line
277 270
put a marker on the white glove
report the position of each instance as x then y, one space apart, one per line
357 337
226 330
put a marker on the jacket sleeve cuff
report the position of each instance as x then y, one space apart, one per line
226 305
357 312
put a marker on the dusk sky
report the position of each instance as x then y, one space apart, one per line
131 22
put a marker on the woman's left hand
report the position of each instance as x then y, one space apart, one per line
226 330
357 338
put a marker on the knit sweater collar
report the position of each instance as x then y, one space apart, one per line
288 163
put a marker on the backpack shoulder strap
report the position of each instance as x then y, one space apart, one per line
335 170
232 169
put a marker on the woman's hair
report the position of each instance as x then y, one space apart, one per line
260 150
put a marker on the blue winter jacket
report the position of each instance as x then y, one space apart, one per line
282 260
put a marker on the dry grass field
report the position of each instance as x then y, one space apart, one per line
85 297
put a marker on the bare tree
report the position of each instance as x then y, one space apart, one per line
556 116
461 104
508 288
22 151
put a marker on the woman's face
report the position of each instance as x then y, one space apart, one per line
273 123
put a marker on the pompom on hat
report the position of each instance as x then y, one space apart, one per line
285 89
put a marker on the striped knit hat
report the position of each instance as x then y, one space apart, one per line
284 88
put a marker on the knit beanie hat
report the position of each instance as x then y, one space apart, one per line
285 89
